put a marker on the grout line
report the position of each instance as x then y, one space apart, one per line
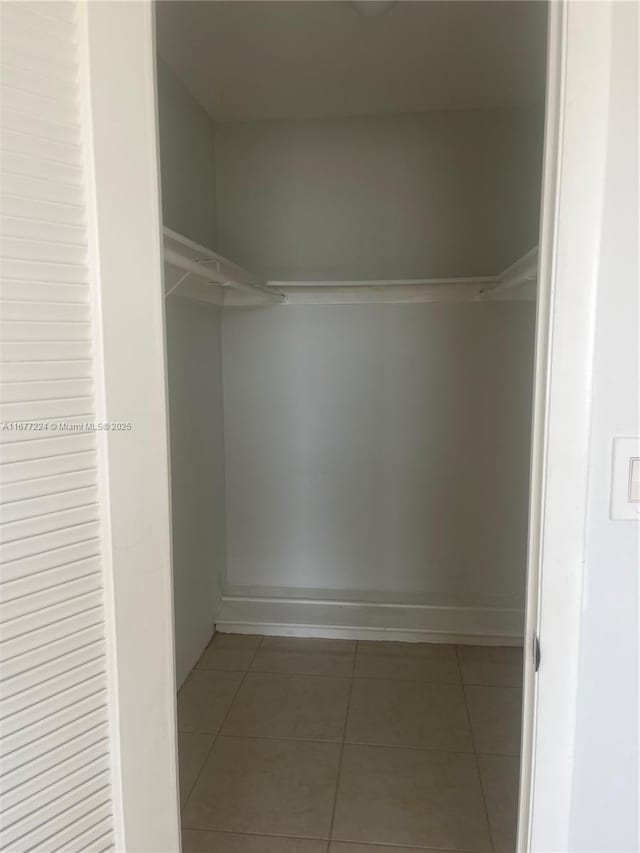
334 675
344 737
356 743
281 737
485 754
223 721
383 845
475 752
374 745
264 834
363 844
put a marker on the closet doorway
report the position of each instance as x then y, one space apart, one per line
351 201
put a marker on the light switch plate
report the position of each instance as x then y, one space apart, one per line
625 505
634 481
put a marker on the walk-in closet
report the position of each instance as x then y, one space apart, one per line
350 196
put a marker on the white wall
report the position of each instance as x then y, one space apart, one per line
195 378
429 194
187 148
197 473
379 448
605 795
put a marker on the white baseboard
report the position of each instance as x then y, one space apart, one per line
369 620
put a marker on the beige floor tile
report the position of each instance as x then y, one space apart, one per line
491 654
499 774
192 751
494 674
194 841
221 657
410 797
436 651
409 713
303 663
236 641
308 644
311 707
205 698
407 668
273 787
495 714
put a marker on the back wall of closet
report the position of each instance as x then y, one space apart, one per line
370 452
423 195
379 449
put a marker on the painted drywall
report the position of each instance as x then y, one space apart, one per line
197 473
379 449
187 161
248 61
194 366
606 781
407 196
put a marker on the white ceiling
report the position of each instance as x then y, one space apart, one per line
261 60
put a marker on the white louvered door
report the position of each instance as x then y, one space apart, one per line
54 720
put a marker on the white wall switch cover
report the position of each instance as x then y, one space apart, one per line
634 481
625 480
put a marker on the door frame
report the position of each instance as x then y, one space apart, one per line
576 124
120 151
128 280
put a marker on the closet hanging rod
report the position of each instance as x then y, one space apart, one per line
197 268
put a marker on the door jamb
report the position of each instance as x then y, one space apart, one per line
579 50
120 148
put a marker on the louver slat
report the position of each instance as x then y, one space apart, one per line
55 775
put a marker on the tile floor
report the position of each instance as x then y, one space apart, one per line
329 746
